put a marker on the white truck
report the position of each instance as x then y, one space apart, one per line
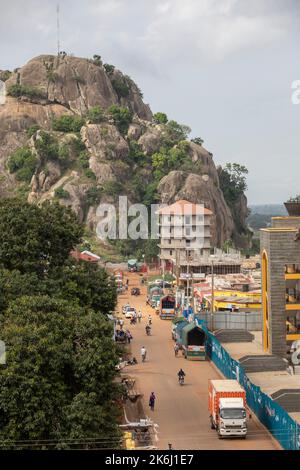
227 408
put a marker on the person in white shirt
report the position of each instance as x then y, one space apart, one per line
143 353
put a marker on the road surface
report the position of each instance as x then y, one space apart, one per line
180 411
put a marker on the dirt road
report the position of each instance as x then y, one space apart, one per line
180 412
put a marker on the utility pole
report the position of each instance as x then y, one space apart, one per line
212 305
188 278
177 266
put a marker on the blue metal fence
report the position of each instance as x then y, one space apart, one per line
270 413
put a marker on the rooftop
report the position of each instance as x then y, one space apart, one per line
183 207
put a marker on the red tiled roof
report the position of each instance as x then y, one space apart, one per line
183 207
84 256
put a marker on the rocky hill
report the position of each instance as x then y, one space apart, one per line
78 130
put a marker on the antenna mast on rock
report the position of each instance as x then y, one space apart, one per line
58 29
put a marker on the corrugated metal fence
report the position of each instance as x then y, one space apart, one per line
251 321
272 415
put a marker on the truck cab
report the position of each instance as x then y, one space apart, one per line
227 408
232 417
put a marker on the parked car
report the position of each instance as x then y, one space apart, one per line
161 283
125 308
130 312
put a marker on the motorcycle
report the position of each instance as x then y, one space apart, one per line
148 331
181 379
143 357
132 362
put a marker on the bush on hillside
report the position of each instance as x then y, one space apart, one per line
23 163
121 116
68 123
95 115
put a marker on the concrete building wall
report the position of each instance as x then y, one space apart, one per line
281 249
285 222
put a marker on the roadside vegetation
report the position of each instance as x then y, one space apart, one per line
57 389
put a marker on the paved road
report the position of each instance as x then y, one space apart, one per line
180 412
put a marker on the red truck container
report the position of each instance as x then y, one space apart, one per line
227 408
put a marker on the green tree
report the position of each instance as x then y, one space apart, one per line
47 146
178 131
233 181
36 239
97 59
60 368
89 284
121 87
197 140
160 118
151 250
109 68
23 163
121 116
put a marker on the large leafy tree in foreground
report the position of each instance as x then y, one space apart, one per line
58 382
36 239
57 388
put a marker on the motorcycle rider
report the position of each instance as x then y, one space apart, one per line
181 375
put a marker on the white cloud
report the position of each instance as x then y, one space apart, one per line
209 30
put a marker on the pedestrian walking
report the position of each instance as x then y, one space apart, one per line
152 401
121 323
143 353
149 319
176 349
139 315
129 336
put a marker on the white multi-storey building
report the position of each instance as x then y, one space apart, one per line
185 242
184 231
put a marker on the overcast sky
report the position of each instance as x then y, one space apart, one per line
224 67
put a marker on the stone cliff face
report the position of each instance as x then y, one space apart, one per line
103 159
